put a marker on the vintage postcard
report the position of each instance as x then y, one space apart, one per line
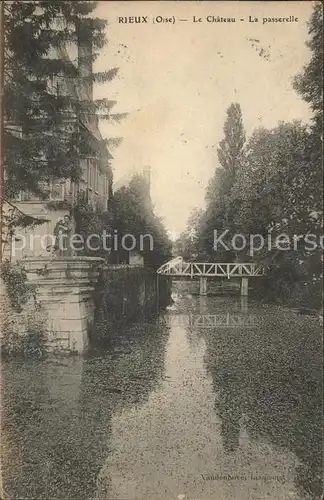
161 250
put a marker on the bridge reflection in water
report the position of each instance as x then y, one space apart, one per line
225 320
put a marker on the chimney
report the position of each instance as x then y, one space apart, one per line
147 180
147 176
85 58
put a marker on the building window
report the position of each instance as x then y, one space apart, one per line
106 191
96 179
90 173
84 166
93 175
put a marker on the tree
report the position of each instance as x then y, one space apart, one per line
133 214
43 107
309 84
230 157
229 153
276 192
276 186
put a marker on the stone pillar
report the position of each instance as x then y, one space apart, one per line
245 287
64 290
203 286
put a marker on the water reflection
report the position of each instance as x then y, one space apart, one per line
56 422
195 425
270 377
228 408
173 401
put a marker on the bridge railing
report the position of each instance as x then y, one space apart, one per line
177 267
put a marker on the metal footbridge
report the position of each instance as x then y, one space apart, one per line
178 268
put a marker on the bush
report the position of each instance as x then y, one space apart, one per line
29 344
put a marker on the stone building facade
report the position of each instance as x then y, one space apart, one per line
95 185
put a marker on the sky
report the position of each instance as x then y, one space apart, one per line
176 81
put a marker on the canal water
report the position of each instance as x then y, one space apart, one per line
213 399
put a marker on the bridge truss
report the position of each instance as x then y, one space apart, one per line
177 267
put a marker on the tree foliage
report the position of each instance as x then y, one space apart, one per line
133 213
309 84
130 213
229 154
277 186
230 157
279 193
46 109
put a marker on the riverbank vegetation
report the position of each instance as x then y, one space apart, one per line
26 338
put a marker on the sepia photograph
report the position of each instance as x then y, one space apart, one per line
161 271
